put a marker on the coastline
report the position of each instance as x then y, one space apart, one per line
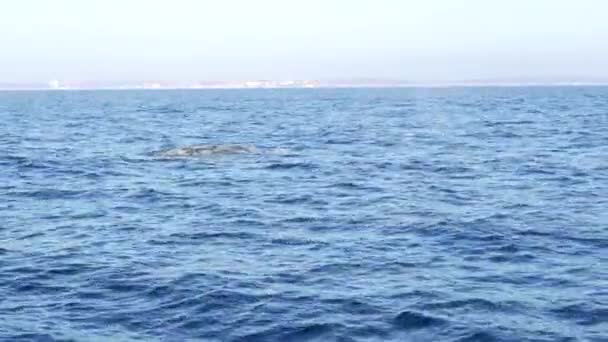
323 86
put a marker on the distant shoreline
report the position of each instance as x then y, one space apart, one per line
336 86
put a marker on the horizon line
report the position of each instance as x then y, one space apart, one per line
421 86
303 84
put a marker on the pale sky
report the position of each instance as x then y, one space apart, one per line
182 40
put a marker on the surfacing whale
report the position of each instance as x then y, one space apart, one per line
208 150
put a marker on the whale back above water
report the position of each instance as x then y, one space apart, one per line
208 150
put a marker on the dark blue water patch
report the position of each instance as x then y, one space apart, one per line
296 200
582 314
339 142
30 236
69 269
48 194
393 214
354 306
38 338
309 332
300 219
38 288
476 304
481 336
289 166
14 159
212 235
410 320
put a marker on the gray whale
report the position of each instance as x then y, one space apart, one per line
208 150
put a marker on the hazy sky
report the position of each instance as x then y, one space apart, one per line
183 40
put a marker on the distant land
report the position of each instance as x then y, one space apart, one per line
276 84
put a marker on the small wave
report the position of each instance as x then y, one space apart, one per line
214 235
480 336
474 303
30 236
452 170
19 160
37 337
300 219
354 306
339 141
416 320
582 314
292 200
49 194
35 287
415 166
211 300
289 166
334 268
346 185
160 110
308 332
507 123
68 270
297 242
153 195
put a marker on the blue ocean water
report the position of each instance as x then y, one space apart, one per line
456 214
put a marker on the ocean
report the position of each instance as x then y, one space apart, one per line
412 214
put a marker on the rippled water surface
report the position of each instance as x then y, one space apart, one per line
474 214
